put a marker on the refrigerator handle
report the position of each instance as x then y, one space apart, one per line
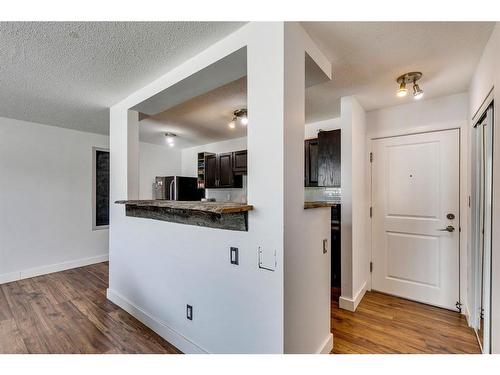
171 195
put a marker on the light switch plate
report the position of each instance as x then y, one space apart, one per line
234 256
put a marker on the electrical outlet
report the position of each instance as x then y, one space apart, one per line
325 246
189 312
234 255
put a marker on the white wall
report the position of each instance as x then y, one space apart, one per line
306 267
236 309
156 160
312 129
190 163
360 193
354 192
46 200
353 201
449 112
419 116
156 267
487 78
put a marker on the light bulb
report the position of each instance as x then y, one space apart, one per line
244 120
418 93
170 139
402 91
232 125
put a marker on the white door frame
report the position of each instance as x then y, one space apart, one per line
463 201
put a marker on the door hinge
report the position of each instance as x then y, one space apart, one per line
371 157
458 305
371 211
371 267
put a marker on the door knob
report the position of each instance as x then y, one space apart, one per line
449 228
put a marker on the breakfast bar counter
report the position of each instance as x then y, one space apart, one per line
221 215
319 204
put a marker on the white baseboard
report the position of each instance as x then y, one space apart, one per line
466 312
351 304
51 268
327 346
175 338
8 277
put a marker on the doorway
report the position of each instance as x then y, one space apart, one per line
416 218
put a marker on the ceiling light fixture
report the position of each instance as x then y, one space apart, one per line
402 91
170 139
239 116
418 93
409 78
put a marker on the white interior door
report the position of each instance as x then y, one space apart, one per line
415 190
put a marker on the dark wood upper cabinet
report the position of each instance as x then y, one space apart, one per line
225 170
240 162
322 160
329 158
311 162
211 171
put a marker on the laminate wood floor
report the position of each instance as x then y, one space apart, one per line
67 312
385 324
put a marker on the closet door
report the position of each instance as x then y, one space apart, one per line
481 226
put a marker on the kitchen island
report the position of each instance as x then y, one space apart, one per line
220 215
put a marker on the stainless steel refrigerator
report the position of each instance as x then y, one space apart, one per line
177 188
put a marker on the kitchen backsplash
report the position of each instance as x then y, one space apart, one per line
240 195
322 194
229 195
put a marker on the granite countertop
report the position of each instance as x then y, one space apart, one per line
213 207
319 204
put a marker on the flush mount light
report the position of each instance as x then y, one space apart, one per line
170 139
409 78
240 117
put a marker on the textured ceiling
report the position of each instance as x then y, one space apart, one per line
68 73
368 56
200 120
